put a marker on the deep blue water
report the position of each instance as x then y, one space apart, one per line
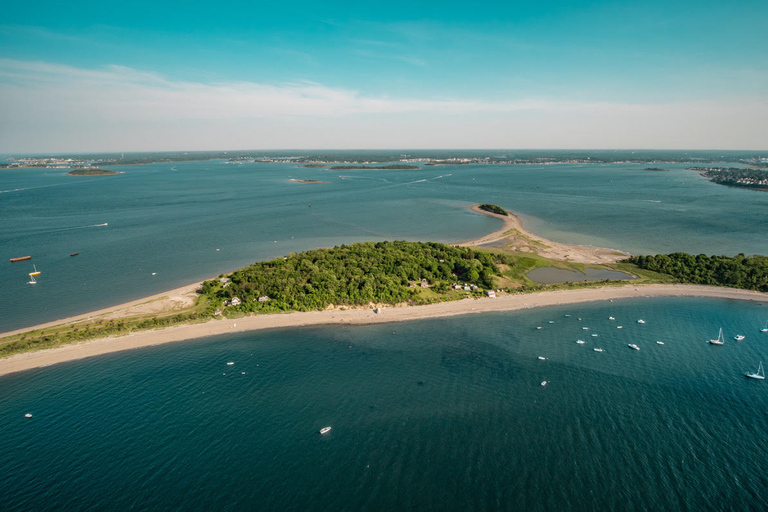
445 414
171 218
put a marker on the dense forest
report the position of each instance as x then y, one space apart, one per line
383 272
749 272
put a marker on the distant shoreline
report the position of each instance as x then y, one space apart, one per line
101 346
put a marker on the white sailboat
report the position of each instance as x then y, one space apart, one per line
759 374
720 339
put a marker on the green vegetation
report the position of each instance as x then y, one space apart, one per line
655 169
397 167
75 332
493 208
358 274
748 272
90 171
735 176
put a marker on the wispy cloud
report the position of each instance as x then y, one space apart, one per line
46 106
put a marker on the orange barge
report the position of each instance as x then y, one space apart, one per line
23 258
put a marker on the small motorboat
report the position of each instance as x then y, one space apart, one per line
739 337
551 321
598 350
580 342
595 335
543 383
230 363
611 318
633 346
619 326
325 430
659 342
585 328
74 254
27 415
539 327
641 321
542 358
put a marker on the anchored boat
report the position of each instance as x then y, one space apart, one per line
759 374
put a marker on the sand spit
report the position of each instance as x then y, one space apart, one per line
141 339
522 240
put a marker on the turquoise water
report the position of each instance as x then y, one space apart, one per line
446 414
170 219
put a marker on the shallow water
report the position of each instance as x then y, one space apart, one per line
444 414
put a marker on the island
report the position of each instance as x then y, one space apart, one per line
307 181
374 282
91 171
396 167
735 176
655 169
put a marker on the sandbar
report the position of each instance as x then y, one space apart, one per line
100 346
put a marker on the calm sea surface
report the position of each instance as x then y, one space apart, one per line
170 219
447 414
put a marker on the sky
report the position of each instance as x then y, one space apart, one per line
89 76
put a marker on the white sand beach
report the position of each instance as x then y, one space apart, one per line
135 340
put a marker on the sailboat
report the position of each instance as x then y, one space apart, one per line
32 276
765 329
720 339
759 374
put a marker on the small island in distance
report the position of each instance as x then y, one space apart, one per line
655 169
91 171
396 167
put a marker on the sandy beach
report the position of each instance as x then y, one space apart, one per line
513 233
136 340
516 237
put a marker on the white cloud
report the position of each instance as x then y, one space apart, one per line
51 107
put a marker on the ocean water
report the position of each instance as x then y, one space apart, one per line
444 414
188 221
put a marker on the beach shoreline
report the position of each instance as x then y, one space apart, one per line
140 339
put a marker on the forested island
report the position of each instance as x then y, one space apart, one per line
492 208
396 167
657 169
735 176
747 272
90 171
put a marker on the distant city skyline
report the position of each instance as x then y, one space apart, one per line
92 77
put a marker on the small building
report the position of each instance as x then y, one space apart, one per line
224 280
457 286
263 298
424 283
473 287
491 294
466 288
235 301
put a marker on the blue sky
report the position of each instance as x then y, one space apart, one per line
241 75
